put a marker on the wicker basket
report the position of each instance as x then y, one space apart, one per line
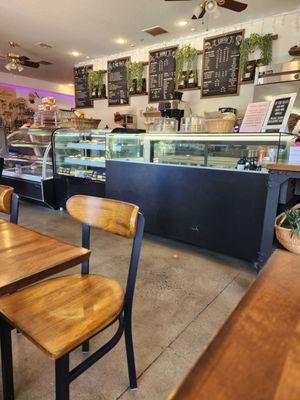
284 236
218 125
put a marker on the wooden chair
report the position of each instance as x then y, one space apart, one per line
61 314
9 203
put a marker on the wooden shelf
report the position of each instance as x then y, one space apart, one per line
189 89
139 94
246 82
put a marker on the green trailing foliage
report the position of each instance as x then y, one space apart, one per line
135 71
256 41
292 221
186 60
96 80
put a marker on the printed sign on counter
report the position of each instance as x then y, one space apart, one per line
255 116
279 113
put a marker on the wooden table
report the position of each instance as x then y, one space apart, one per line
27 256
256 354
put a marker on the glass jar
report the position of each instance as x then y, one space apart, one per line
192 124
165 125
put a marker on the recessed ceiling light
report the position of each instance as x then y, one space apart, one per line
87 57
71 84
132 45
75 53
182 23
193 29
121 41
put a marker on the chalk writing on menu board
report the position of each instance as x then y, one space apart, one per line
81 83
162 67
221 64
117 82
278 111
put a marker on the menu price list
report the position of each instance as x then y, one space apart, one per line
81 81
162 67
221 64
117 82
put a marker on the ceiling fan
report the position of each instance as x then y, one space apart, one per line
16 62
211 5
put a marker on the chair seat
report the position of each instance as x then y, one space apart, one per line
61 313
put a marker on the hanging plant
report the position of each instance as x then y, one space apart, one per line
186 63
96 82
256 41
135 71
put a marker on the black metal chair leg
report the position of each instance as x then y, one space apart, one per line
86 347
62 380
130 354
7 362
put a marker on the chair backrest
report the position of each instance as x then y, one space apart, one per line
9 203
6 193
112 216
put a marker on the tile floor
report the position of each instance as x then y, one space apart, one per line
183 295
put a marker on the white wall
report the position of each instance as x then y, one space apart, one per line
287 26
23 85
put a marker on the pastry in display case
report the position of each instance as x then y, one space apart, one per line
80 153
28 167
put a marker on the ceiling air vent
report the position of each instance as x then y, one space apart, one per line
44 45
155 30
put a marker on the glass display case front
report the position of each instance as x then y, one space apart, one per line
80 153
30 155
234 151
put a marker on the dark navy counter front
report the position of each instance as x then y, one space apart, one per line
217 209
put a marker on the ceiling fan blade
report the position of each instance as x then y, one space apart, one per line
200 16
234 5
28 63
42 62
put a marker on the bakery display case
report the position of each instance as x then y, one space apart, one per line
28 167
251 151
79 162
80 153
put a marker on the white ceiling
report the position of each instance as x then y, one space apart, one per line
91 26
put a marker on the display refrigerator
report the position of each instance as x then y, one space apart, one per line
28 167
79 163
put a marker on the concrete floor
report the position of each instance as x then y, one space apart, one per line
183 296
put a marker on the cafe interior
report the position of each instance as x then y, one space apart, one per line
150 200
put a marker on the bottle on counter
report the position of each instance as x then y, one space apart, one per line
240 166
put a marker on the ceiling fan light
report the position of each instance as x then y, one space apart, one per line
7 66
20 68
211 6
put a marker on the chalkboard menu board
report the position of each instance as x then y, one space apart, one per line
162 67
117 82
221 64
81 83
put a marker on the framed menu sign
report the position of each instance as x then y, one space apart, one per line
117 82
221 65
81 86
279 113
162 67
